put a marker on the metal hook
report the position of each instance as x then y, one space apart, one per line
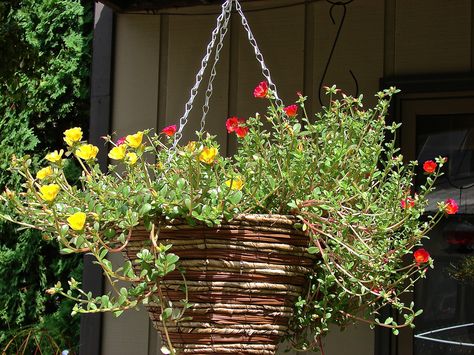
336 39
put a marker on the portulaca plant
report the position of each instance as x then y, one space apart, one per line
339 173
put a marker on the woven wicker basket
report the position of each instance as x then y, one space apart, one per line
243 278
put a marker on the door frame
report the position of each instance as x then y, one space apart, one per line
437 94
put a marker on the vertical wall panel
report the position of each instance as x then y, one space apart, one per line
135 73
432 36
134 107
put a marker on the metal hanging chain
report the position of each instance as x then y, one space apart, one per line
226 8
258 54
221 28
209 90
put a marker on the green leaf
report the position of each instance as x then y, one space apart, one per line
235 197
165 315
145 209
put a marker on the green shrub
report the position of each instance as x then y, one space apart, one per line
44 71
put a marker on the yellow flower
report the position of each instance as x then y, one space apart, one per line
55 156
72 135
134 140
191 146
49 192
44 173
207 155
77 220
87 151
118 153
131 158
235 184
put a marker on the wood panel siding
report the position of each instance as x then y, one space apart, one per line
157 57
432 36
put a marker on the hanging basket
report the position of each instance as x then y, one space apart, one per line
243 278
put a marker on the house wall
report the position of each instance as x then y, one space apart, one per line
157 57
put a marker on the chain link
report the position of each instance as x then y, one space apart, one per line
226 8
221 30
258 54
209 91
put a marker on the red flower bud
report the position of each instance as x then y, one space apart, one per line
121 141
407 203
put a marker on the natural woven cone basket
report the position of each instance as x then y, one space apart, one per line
243 278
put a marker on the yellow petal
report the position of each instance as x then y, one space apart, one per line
131 158
44 173
72 135
207 155
134 140
49 192
235 184
77 221
118 153
55 156
87 151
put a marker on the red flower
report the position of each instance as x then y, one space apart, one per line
451 206
232 123
261 91
429 166
236 125
291 110
407 203
421 256
241 132
121 141
170 130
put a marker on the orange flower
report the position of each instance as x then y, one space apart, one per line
421 256
451 207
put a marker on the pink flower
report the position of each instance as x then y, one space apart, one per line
170 130
261 91
291 110
421 256
407 203
121 141
451 206
429 166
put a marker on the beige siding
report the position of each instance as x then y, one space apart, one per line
432 36
157 57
